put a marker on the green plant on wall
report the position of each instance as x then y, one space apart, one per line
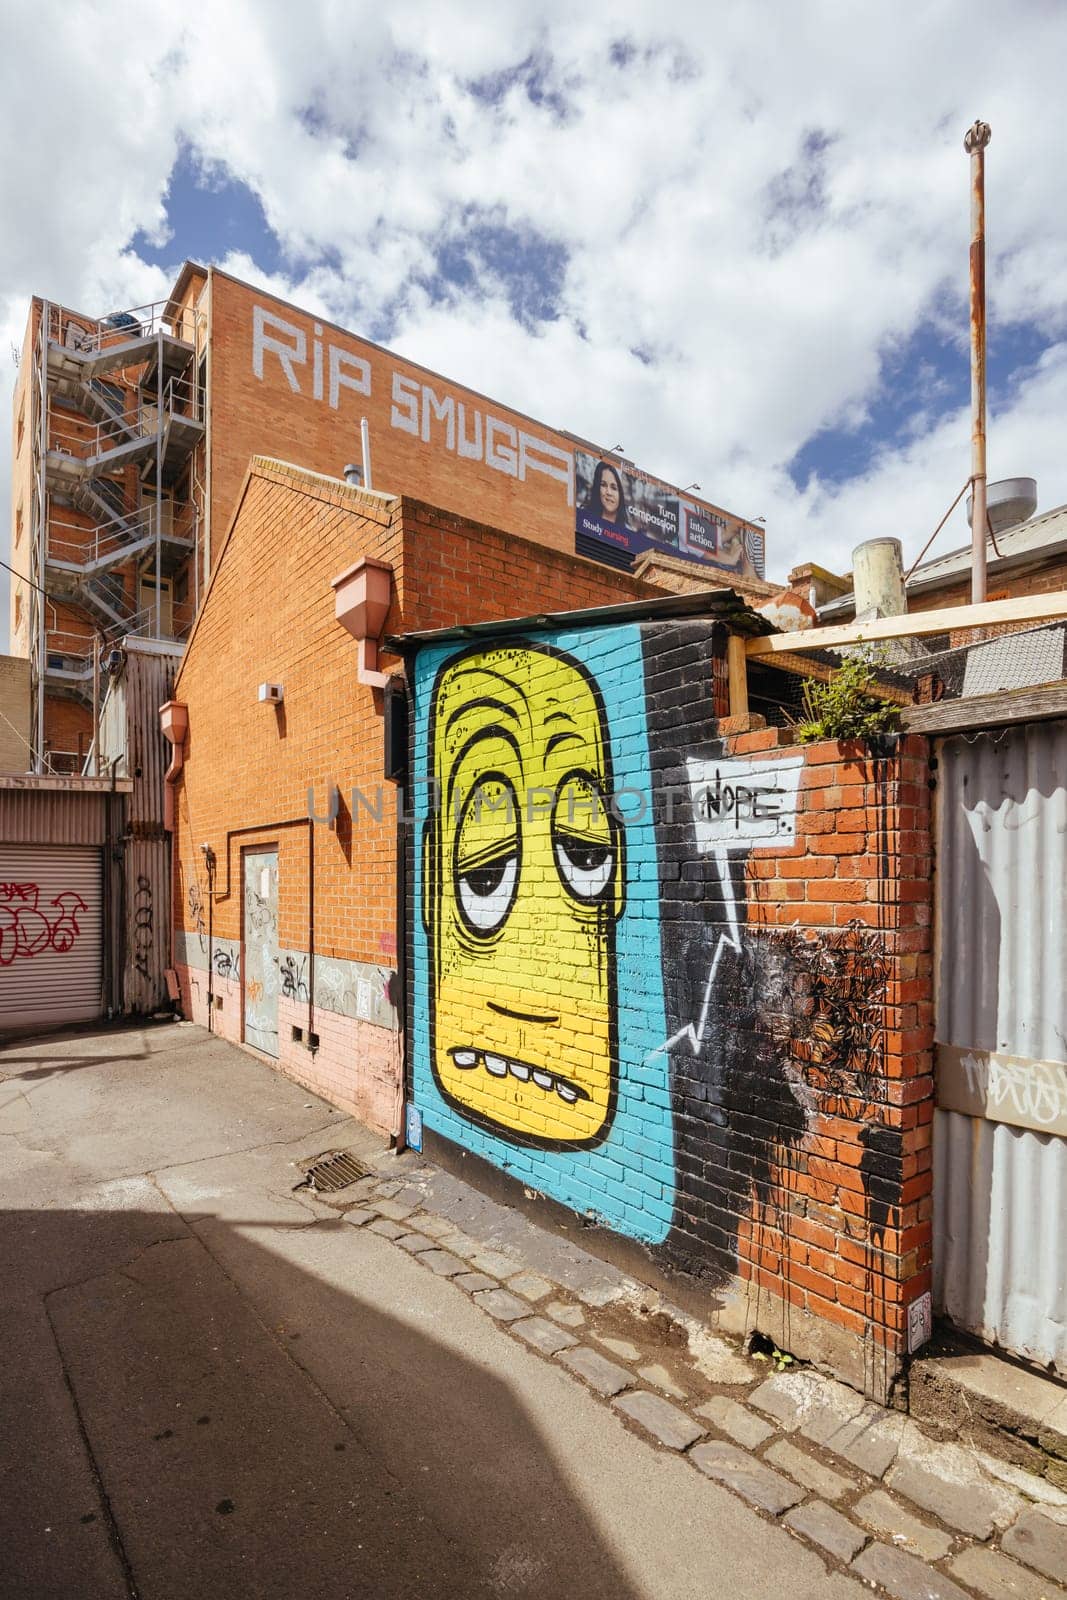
849 706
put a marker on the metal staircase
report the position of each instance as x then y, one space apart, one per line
120 413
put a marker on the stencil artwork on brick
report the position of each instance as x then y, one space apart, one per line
538 996
835 1028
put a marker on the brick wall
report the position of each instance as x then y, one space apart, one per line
15 721
429 435
68 726
269 617
703 1020
248 770
839 1229
458 570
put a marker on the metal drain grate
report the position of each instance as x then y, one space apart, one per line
334 1169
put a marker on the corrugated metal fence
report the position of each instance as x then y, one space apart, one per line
130 739
1000 1137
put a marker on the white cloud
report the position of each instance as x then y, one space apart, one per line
762 200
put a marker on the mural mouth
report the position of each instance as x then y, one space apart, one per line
505 1066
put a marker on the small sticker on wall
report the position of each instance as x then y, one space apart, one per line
920 1322
413 1127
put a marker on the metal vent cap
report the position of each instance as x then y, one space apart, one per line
1009 501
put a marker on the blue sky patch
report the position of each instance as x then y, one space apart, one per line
926 377
533 74
210 213
529 266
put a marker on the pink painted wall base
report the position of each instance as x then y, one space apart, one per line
356 1065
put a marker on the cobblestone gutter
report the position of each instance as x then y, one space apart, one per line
864 1486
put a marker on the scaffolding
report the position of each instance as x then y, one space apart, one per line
119 408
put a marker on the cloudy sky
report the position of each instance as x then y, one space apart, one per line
731 237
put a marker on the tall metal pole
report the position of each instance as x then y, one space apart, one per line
975 144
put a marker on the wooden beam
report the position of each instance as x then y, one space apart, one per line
822 672
737 672
1034 608
988 710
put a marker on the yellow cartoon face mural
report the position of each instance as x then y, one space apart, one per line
522 886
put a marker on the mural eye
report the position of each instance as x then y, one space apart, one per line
585 867
583 841
486 892
488 850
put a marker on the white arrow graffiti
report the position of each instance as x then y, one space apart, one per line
696 1032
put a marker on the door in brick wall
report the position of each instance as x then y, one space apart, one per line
51 935
1000 1130
259 966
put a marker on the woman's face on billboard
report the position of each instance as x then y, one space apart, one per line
609 495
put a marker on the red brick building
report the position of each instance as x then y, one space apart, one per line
132 433
269 616
744 1095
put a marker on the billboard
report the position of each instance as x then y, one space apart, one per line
622 514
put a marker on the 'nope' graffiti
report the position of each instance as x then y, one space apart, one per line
27 931
738 804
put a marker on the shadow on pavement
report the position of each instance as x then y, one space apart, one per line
165 1433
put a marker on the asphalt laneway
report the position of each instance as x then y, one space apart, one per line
214 1387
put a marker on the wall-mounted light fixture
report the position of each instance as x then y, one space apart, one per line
271 694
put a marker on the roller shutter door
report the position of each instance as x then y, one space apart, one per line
51 935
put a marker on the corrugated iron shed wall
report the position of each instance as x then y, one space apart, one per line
34 815
130 738
1001 1190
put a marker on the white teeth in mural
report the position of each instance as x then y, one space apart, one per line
500 1067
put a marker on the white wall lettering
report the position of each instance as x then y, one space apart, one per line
470 448
504 457
405 412
434 417
262 343
559 465
347 372
316 362
445 410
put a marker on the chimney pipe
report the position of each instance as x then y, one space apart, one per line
364 439
878 579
